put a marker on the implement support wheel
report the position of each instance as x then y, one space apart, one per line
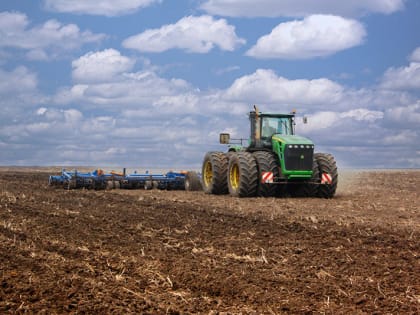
192 182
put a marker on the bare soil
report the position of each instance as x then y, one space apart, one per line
178 252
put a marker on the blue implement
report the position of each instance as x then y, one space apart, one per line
98 179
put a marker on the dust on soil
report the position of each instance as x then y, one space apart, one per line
177 252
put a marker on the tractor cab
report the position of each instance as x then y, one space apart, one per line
265 126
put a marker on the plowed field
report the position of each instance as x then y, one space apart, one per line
177 252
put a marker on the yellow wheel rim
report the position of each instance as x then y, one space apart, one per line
208 174
234 176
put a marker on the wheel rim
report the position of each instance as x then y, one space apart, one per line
208 173
234 176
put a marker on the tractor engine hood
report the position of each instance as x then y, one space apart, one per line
292 139
296 155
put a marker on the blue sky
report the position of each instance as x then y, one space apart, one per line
151 83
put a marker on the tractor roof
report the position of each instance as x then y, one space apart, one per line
277 115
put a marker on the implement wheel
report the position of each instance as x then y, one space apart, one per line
192 182
214 173
327 165
242 175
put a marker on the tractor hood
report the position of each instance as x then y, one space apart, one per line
291 139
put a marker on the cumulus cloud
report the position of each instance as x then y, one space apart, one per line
98 7
44 40
363 114
349 128
192 34
314 36
266 86
404 78
18 93
45 120
131 90
100 66
404 116
297 8
404 137
415 56
226 70
19 80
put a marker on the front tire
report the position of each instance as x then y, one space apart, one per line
327 164
214 173
242 175
266 162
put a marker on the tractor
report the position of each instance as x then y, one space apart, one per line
276 162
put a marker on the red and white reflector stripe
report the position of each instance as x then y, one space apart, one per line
267 177
326 179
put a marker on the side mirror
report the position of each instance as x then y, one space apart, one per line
305 120
224 138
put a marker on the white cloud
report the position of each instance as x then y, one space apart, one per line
297 8
404 116
404 137
36 127
330 120
192 34
402 78
41 41
11 22
19 80
314 36
129 90
18 94
229 69
72 116
37 54
98 125
98 7
363 114
100 66
415 56
41 111
320 120
188 102
265 86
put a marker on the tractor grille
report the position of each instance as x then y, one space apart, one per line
298 157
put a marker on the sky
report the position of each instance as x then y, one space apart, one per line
152 83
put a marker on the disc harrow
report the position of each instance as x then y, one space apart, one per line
98 179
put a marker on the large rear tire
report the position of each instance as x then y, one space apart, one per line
266 162
192 182
214 173
327 165
242 175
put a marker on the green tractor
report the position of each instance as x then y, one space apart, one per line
276 162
